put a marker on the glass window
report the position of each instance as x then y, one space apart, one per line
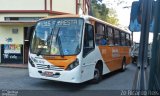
60 36
110 36
88 39
123 39
127 39
22 18
100 34
116 37
14 18
106 33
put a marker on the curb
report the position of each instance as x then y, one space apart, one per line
14 66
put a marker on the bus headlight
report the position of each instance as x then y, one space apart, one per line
73 65
31 62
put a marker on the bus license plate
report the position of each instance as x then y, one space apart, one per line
48 74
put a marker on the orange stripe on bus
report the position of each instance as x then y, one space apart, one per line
113 56
60 61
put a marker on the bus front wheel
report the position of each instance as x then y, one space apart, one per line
97 75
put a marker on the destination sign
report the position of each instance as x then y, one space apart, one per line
67 22
60 22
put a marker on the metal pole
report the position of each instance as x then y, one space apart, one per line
132 37
146 6
155 46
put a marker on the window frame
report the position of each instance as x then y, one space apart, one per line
118 34
123 39
85 48
127 39
108 36
103 35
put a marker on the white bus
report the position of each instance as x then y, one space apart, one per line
75 49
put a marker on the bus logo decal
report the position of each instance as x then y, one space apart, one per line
115 53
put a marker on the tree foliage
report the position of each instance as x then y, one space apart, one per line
112 17
99 10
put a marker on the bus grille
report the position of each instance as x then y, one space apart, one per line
49 67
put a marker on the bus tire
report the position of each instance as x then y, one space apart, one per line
97 75
123 64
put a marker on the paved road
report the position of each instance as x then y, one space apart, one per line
18 79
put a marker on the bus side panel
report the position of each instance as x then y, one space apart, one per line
88 65
128 55
125 52
113 56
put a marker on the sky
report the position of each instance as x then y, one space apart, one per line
123 15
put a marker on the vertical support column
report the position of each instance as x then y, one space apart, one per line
155 48
76 6
146 8
51 6
84 7
45 5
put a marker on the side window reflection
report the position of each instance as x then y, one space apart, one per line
88 39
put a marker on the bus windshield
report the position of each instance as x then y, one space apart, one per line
58 36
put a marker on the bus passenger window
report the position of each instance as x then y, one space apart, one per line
110 36
123 39
100 34
128 40
102 41
116 37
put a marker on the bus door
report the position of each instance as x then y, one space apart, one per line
88 63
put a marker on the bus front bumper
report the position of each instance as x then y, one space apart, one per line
72 76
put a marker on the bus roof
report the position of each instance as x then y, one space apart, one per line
106 23
61 16
87 18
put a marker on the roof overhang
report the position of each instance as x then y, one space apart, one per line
17 22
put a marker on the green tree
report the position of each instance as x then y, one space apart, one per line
112 17
99 10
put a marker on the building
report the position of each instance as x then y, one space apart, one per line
16 16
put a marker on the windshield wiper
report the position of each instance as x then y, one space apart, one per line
60 44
